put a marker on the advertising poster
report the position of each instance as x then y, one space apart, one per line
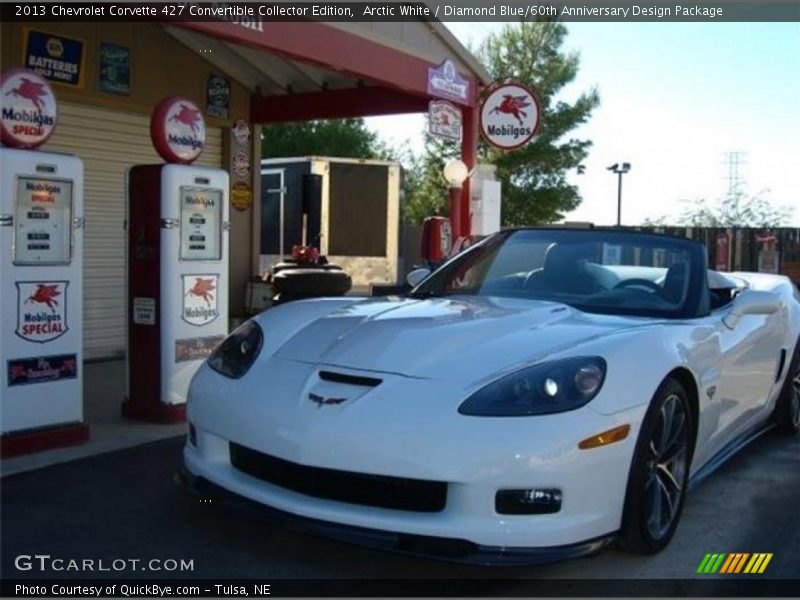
54 57
115 69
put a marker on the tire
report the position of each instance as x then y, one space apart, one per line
787 409
659 472
293 264
310 283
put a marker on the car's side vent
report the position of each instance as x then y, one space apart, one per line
349 379
781 363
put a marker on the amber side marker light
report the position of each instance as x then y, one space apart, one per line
607 437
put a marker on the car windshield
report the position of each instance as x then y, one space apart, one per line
603 271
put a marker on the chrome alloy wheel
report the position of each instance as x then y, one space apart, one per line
667 464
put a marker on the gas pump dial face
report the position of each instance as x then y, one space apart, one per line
201 223
43 231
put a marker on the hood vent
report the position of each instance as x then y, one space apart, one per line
349 379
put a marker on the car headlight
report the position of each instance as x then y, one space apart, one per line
234 356
541 389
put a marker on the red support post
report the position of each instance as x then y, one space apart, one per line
456 214
469 154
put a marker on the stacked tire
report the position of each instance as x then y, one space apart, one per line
295 280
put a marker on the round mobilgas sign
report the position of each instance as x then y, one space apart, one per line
510 116
178 130
29 109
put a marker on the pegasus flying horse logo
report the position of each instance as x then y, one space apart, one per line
30 90
188 116
45 294
202 289
513 105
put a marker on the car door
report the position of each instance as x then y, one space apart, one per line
748 362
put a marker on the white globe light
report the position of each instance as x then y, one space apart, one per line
455 172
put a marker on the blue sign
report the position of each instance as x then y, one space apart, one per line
445 81
54 57
40 369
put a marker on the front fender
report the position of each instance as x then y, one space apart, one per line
639 361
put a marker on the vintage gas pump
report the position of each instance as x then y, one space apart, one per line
436 241
177 265
41 282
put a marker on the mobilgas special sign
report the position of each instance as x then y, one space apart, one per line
29 109
41 310
510 116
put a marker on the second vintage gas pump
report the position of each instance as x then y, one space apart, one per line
177 265
41 275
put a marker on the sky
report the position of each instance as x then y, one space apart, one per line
676 98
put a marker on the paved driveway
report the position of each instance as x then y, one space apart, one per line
124 505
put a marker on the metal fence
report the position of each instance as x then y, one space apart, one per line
746 248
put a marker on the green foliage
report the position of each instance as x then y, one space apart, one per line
535 189
345 138
738 209
425 187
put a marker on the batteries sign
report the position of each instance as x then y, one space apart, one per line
201 221
43 232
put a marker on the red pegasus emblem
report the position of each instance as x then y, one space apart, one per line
188 116
30 90
45 294
202 289
513 105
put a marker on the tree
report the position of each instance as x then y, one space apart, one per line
346 138
424 186
534 178
737 209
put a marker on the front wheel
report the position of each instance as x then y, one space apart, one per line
659 472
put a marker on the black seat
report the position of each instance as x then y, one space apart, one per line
563 270
675 281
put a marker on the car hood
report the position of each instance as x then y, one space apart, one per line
465 338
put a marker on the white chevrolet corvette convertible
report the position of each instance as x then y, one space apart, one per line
542 393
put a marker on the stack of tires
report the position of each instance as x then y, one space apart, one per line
297 279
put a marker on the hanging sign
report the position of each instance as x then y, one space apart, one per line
444 120
444 81
510 116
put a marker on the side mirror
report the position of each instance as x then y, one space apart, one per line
750 302
416 276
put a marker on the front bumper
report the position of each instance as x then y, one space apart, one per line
406 428
448 549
